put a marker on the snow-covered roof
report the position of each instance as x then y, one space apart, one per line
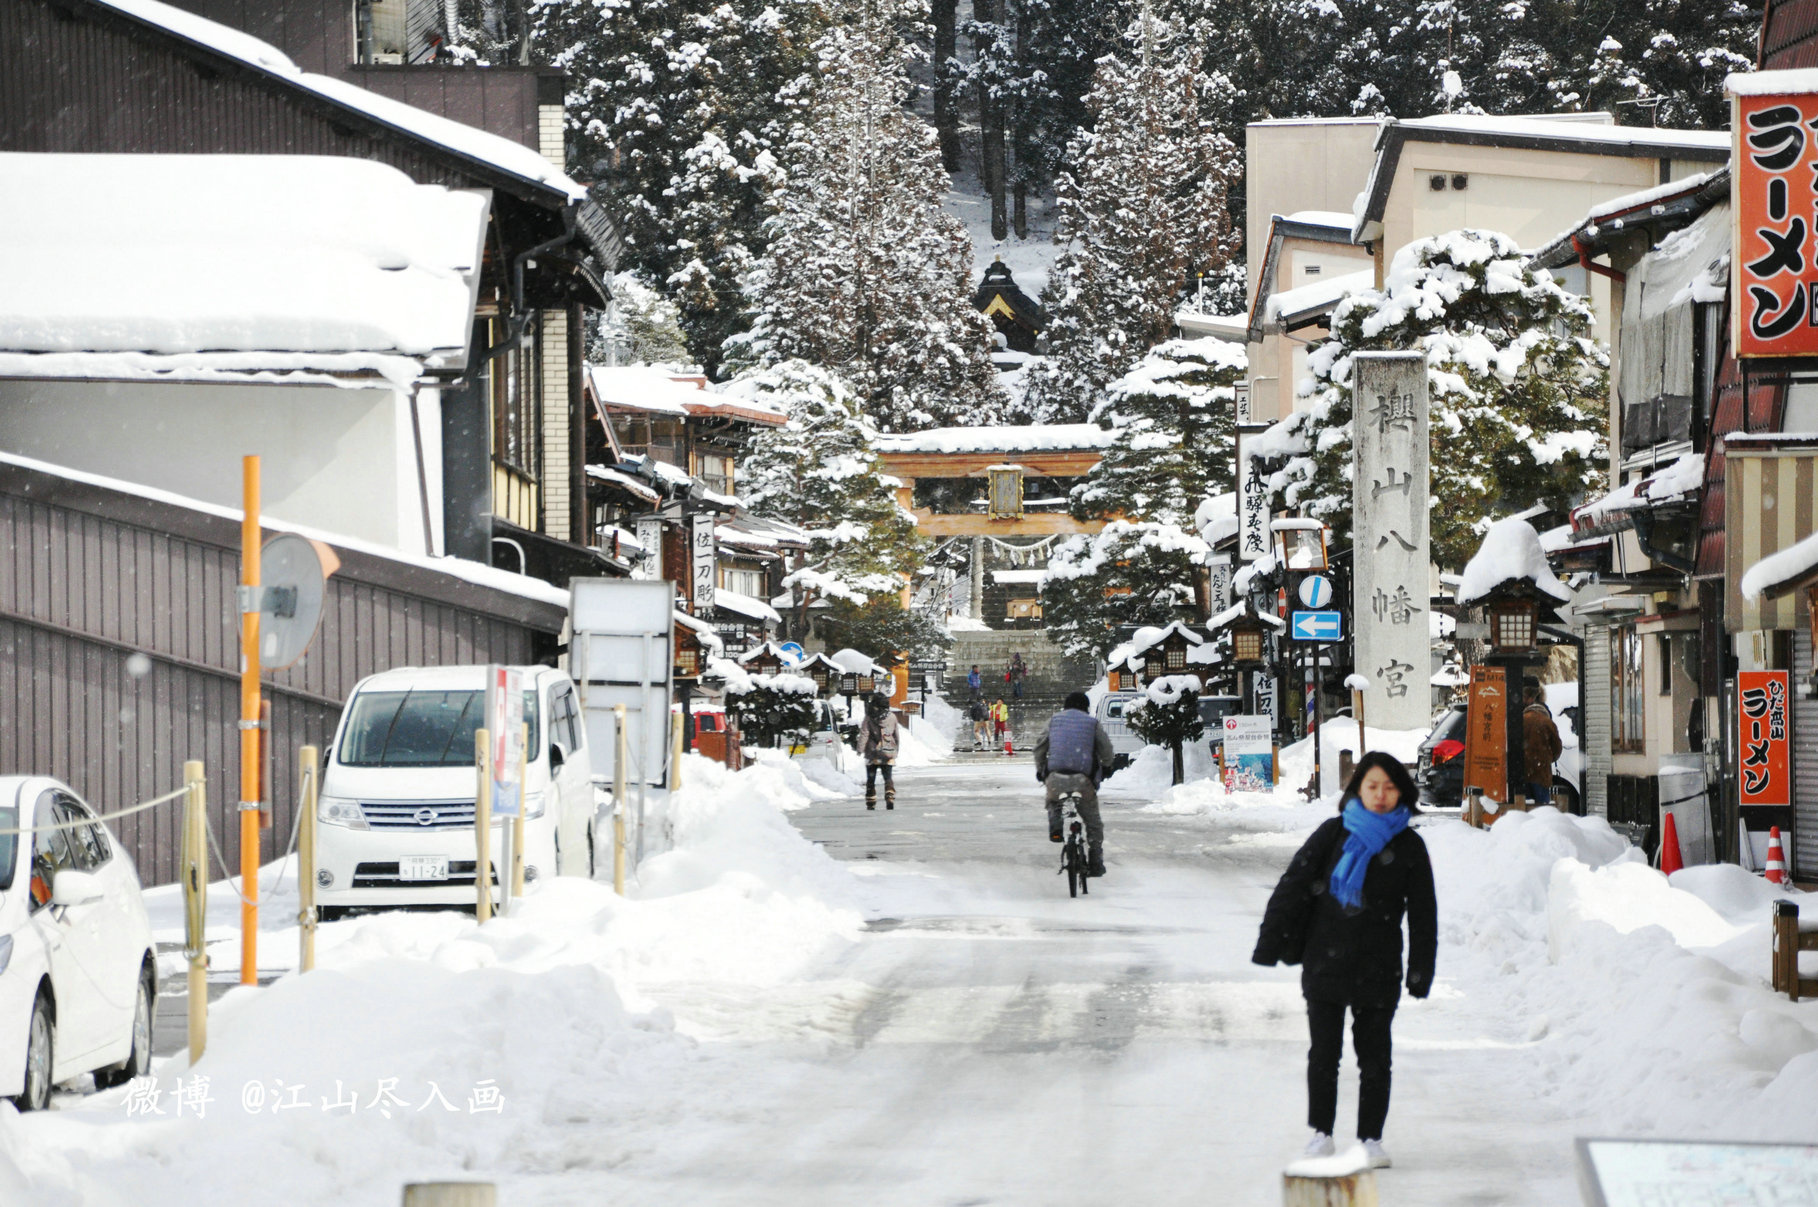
1018 577
703 631
1021 438
498 153
1332 218
1293 306
1660 206
1777 572
642 388
1674 483
852 661
1766 83
208 262
1193 323
745 605
624 481
1510 552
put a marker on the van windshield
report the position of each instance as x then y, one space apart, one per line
420 728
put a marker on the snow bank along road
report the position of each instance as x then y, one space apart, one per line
914 1012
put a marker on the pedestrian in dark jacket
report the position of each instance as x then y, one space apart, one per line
1337 912
877 742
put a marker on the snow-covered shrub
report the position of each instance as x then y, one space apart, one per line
772 707
1168 715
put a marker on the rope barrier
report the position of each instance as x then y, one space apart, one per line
71 825
227 876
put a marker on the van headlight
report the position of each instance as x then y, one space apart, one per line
340 811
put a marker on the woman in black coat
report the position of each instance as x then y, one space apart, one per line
1337 913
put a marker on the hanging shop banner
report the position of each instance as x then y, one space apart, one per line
1252 509
1774 269
650 536
1219 575
1487 733
505 737
1763 699
1249 754
1390 537
1267 698
703 548
1241 391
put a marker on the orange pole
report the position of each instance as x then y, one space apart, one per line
249 726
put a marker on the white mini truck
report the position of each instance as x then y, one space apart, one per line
396 809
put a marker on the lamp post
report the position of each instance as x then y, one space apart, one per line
1514 626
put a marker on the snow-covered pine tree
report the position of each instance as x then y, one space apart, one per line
1140 210
865 270
640 327
1129 573
1173 416
1167 715
820 472
1518 389
678 108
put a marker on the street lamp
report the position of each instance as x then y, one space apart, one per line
1300 544
1512 626
1246 643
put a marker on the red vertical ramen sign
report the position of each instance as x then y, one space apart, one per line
1764 701
1774 301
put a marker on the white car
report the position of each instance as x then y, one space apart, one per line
1110 714
78 982
396 808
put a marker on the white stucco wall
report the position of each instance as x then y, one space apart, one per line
341 460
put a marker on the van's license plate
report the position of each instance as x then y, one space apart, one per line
423 867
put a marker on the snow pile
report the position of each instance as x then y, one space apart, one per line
1151 774
1029 438
425 1047
1510 551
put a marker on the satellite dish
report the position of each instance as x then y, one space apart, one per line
293 573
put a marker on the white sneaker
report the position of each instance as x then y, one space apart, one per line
1319 1146
1379 1156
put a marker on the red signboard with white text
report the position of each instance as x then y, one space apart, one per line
1764 704
1774 299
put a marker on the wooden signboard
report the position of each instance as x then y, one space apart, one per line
1765 747
1487 733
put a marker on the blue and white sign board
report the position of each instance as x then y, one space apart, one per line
1316 590
792 651
1318 626
1646 1173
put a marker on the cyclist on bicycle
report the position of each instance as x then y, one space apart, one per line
1070 759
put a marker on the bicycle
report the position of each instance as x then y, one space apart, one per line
1073 852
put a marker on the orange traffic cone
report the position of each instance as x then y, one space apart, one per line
1776 858
1670 861
1007 747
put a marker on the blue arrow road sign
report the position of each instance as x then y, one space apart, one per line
1319 626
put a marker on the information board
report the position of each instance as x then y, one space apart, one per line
1690 1173
1249 754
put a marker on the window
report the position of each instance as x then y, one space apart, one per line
419 728
1666 664
87 843
743 581
517 403
1177 658
51 852
1625 690
565 728
716 472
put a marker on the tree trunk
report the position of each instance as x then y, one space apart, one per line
946 108
991 120
1019 220
1180 768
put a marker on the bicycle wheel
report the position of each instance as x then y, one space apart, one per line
1074 881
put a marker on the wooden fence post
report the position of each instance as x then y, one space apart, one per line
451 1194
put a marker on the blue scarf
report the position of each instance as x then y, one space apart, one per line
1369 834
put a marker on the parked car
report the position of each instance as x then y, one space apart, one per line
1439 770
78 983
1212 713
397 799
1110 714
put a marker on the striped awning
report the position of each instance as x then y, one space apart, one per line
1771 495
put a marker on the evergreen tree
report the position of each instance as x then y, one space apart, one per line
865 270
678 108
1141 209
1130 573
1517 389
819 471
769 707
639 327
1174 419
1168 715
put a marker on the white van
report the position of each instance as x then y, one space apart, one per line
1110 714
397 798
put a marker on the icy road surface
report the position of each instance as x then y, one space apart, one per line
991 1041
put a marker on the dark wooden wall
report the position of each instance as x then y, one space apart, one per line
1789 34
91 577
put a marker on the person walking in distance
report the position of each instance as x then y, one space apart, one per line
1000 722
975 682
1014 675
1540 745
1337 912
975 712
877 742
1071 757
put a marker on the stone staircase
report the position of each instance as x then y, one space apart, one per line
1051 676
